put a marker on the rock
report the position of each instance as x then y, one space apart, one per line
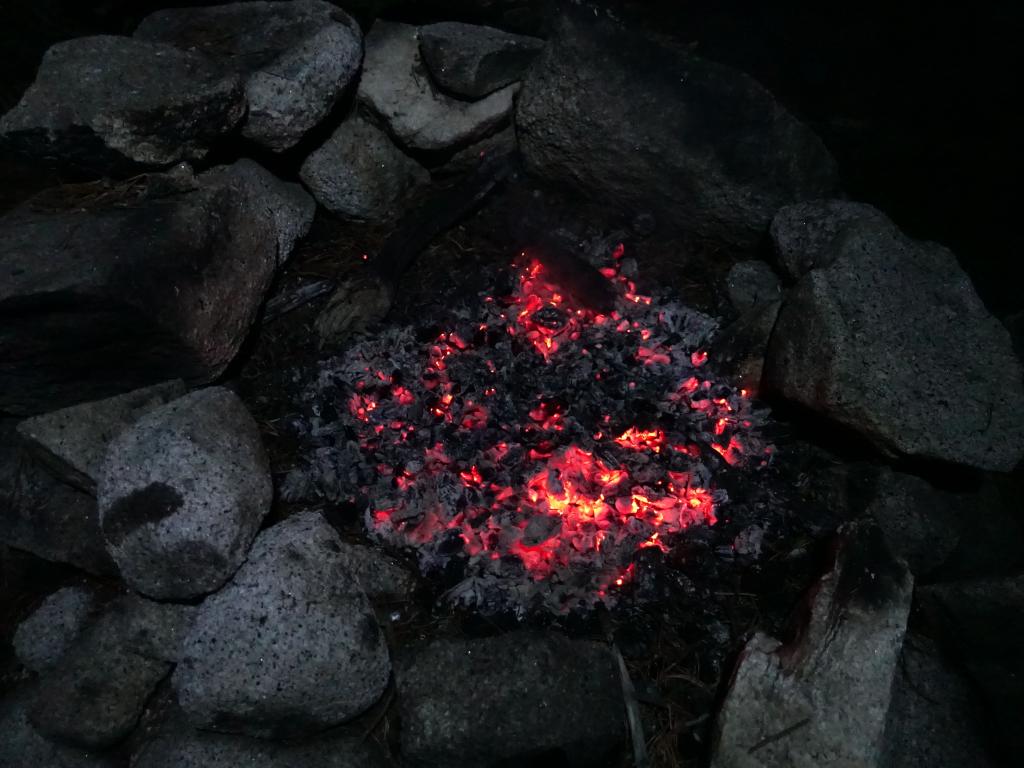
395 86
44 516
983 622
509 699
992 535
803 233
42 639
381 577
182 747
110 288
656 129
110 104
892 341
295 58
360 174
355 305
466 160
290 646
21 745
822 701
933 718
182 494
96 694
739 350
472 61
73 440
752 283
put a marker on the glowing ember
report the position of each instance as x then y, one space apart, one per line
540 443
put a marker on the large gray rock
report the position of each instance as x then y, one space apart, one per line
822 701
73 441
290 646
97 692
296 58
381 577
360 174
41 640
982 620
933 718
179 746
739 350
112 287
471 61
22 746
396 87
892 341
110 104
182 494
803 233
624 119
502 700
43 515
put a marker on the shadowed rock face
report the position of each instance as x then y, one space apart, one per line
615 115
296 58
110 104
109 288
891 340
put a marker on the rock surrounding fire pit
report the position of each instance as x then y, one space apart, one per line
509 698
296 58
115 104
182 493
890 340
45 637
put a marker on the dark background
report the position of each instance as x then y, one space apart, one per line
917 100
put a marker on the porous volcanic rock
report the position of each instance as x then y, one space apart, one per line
396 87
290 646
22 745
624 119
501 700
891 340
182 494
823 699
295 58
360 174
471 61
752 283
740 348
111 287
108 104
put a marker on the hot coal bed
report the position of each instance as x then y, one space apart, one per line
531 443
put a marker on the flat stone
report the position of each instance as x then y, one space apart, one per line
22 745
109 104
290 646
620 117
179 746
822 700
396 87
803 233
182 494
891 340
471 61
113 287
752 283
74 440
360 174
43 515
296 58
41 640
509 699
96 694
934 719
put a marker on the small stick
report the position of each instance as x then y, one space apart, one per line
777 736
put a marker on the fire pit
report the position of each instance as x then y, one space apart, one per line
534 440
